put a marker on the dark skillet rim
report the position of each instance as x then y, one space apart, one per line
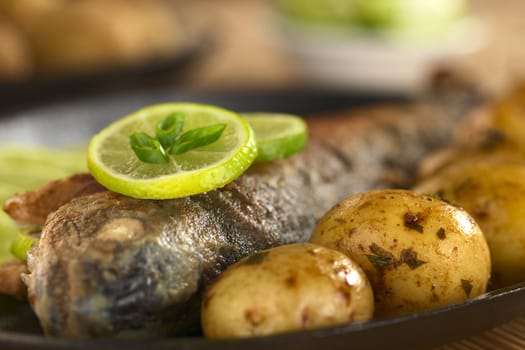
456 321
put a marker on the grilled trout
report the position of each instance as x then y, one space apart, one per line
110 265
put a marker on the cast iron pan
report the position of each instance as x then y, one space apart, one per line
71 123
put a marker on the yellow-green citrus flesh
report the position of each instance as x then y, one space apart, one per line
278 135
114 164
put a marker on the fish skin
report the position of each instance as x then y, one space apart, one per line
32 208
109 265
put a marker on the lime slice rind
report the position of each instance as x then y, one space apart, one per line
278 135
280 149
164 187
113 163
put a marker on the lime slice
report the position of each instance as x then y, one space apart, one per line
278 135
113 163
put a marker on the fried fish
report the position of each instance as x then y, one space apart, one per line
109 265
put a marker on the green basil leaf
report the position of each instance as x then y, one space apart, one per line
147 148
197 138
168 129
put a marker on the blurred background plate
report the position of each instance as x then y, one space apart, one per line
25 92
378 46
54 47
376 64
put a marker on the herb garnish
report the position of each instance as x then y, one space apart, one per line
169 141
412 221
467 287
381 258
385 260
441 233
409 257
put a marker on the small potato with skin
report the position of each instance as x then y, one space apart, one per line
493 192
283 289
418 252
507 117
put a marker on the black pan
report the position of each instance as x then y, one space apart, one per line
74 122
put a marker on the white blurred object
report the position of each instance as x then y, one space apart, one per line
344 59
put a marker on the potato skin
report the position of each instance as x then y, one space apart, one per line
507 117
417 251
493 192
287 288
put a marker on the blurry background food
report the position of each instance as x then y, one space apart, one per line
256 45
250 53
403 18
47 37
375 45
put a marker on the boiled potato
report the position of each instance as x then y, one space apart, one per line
417 251
283 289
495 132
444 158
508 116
493 192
